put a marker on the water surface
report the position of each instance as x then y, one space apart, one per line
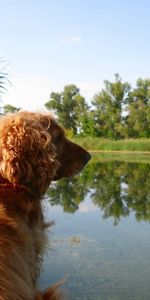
101 239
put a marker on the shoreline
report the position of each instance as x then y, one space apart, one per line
118 151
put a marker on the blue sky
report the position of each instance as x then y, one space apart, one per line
48 44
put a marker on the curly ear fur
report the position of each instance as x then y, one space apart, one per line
27 155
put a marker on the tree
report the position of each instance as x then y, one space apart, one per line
69 106
88 127
138 118
142 91
109 106
81 110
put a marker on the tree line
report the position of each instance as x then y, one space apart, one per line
117 111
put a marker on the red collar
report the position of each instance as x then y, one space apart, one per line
3 180
5 185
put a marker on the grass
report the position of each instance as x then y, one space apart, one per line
126 145
122 156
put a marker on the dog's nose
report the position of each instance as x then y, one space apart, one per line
87 157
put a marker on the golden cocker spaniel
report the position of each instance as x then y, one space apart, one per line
33 152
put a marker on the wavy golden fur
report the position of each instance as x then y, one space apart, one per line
33 152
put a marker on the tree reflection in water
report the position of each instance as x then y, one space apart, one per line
116 187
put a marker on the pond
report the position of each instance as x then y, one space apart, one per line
101 239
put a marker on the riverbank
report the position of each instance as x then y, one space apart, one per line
125 145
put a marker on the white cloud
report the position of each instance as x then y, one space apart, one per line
87 207
76 39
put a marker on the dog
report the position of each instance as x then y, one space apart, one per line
33 152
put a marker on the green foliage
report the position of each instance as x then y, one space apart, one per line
138 119
69 133
69 105
101 144
118 111
10 108
108 110
87 126
142 91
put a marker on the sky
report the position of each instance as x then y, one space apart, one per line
47 44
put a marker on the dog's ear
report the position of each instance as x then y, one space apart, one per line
27 155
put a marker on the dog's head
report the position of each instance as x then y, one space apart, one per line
34 151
